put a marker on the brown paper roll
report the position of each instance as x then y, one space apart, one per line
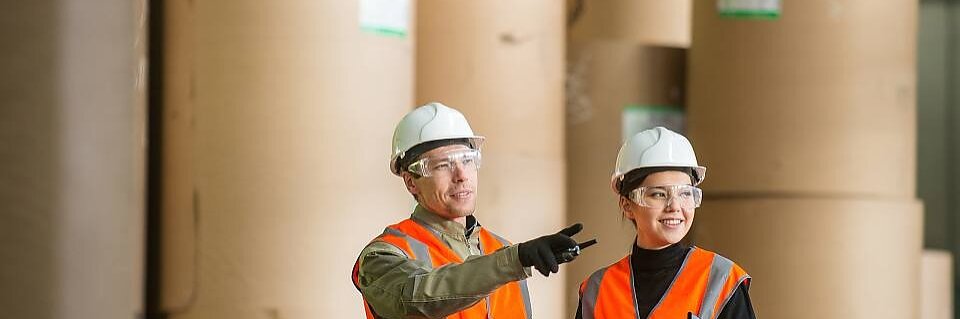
72 125
178 247
279 121
818 102
72 161
936 280
605 77
650 22
820 258
501 64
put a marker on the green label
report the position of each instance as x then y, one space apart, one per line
399 33
749 9
385 17
639 117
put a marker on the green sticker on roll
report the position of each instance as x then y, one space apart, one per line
749 9
385 17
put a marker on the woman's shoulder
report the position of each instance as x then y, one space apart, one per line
721 260
718 257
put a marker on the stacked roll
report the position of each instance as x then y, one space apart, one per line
501 64
626 73
278 121
805 117
72 161
936 275
653 22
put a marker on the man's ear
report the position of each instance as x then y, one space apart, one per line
408 182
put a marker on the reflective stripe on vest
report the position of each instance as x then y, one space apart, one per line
703 286
422 243
523 283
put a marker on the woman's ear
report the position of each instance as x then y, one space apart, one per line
625 208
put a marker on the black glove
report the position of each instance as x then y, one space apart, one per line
544 253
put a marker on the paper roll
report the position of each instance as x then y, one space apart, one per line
820 258
72 161
818 102
648 22
501 64
936 280
279 123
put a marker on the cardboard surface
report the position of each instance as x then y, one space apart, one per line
650 22
936 280
501 64
72 160
821 258
279 122
820 102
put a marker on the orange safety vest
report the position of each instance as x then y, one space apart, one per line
702 287
511 300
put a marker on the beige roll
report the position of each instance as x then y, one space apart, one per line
605 79
650 22
178 224
278 123
820 101
501 64
821 258
72 130
936 280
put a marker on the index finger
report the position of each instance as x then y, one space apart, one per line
572 230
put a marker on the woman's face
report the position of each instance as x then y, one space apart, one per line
658 228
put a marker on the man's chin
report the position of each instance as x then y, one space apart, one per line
461 211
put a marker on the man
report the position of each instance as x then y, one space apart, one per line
440 262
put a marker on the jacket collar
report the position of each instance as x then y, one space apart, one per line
443 225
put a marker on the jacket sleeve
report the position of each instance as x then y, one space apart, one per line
739 305
396 286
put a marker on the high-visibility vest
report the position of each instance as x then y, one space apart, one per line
511 300
702 287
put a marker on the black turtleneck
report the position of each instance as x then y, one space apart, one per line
654 270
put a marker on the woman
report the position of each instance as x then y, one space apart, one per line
656 177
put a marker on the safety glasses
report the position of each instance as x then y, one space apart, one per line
446 163
659 197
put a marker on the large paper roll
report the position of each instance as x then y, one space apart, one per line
818 102
650 22
607 81
279 118
936 280
501 64
821 258
72 160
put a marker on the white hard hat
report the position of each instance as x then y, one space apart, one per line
656 147
430 122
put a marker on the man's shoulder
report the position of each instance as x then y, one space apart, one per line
379 247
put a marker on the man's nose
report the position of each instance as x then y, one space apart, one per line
459 173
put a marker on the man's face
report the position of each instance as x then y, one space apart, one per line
450 193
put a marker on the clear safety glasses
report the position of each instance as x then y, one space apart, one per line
658 197
446 163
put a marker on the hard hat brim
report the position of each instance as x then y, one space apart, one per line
617 179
